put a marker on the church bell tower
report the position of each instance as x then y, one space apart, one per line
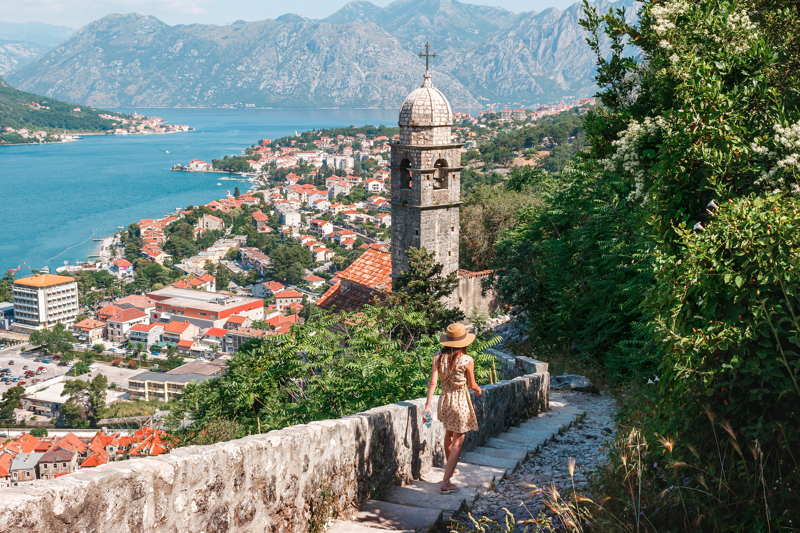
426 181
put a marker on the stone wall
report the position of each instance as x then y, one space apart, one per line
281 481
471 296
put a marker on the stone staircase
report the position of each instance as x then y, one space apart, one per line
420 507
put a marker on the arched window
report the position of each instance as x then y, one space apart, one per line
405 175
441 176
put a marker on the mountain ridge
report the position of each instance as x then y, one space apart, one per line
363 55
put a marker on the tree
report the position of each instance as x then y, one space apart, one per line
6 282
236 192
54 340
11 400
86 400
39 432
289 262
423 288
98 348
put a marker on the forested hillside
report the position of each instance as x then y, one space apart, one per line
19 109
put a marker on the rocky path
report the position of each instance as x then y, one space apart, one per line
520 490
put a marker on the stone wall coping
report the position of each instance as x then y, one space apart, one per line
271 482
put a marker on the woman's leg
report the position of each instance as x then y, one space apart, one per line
456 443
448 443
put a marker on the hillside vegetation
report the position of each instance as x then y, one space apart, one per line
19 109
669 256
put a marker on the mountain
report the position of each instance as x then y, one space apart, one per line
361 56
24 42
14 54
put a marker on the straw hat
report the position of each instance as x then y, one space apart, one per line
456 336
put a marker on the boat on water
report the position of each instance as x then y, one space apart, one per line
218 183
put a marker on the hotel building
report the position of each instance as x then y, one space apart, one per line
43 301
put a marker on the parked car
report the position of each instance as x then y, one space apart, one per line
21 383
47 361
56 357
11 362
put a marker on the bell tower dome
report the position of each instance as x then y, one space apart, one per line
426 181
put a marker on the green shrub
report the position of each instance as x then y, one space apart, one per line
730 322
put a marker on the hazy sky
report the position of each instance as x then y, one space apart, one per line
76 13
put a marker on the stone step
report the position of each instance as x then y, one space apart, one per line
347 526
422 493
516 453
502 444
536 432
392 516
468 475
477 458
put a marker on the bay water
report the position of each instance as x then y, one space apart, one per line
55 198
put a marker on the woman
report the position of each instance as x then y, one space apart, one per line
455 404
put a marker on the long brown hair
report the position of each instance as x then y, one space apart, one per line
451 354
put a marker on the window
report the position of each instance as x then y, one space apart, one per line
440 175
406 180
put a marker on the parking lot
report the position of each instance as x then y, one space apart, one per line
23 368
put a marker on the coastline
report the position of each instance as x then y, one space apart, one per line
77 137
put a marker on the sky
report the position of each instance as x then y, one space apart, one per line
76 13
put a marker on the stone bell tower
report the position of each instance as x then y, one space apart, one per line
426 184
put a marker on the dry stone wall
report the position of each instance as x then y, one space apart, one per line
283 481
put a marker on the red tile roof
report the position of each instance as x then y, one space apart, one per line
126 315
311 278
280 320
366 278
5 464
89 323
215 332
176 327
274 286
237 319
288 294
70 442
144 327
95 459
186 343
109 311
122 263
27 443
372 269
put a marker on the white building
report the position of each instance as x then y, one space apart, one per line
43 301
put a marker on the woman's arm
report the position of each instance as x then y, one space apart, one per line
471 383
432 383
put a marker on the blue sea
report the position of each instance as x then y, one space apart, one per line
54 199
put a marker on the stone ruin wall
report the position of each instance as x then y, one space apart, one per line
471 297
281 481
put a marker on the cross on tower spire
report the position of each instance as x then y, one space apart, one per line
427 55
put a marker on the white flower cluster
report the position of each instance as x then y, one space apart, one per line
627 148
664 15
739 33
787 150
736 33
